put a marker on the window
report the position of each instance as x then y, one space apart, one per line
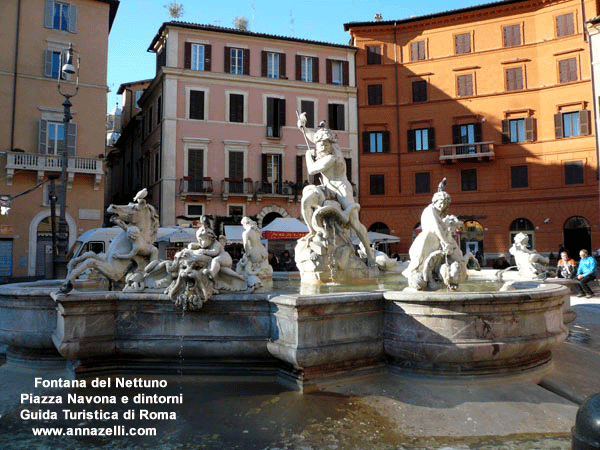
571 124
375 92
197 56
377 184
196 103
419 91
194 210
195 170
574 172
469 133
512 35
373 54
52 138
235 210
468 179
519 177
337 72
421 139
417 51
308 107
60 16
565 25
55 139
567 70
376 141
336 116
158 110
273 65
307 68
237 60
271 173
462 43
518 130
275 116
236 172
464 85
52 65
422 183
514 79
236 108
138 95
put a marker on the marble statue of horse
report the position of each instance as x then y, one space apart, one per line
130 251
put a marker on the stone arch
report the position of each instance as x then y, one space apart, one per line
270 209
380 227
33 229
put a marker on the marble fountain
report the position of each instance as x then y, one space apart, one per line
196 315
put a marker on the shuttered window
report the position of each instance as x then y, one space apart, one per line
417 51
565 25
308 107
60 16
574 172
196 105
373 54
567 70
419 91
336 116
195 170
464 85
376 141
462 43
519 177
468 179
236 108
512 35
377 184
422 183
375 93
421 139
514 79
275 116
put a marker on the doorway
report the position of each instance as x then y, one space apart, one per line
577 235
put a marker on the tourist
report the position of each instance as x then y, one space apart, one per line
586 272
566 267
287 264
273 261
501 263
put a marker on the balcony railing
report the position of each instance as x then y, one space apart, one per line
237 186
195 186
465 151
42 163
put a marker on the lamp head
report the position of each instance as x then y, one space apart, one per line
68 66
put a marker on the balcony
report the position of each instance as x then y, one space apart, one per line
476 150
237 187
189 186
286 189
42 163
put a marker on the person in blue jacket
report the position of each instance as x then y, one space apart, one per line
586 272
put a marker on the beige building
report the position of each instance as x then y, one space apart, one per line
32 137
218 131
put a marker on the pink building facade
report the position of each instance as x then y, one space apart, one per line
219 120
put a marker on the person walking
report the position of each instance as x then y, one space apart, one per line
586 272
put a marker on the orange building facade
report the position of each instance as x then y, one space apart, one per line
32 131
498 100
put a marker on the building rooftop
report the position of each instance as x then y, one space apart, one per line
349 25
217 29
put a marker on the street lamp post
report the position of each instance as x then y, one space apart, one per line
67 69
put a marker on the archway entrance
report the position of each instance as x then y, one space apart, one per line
524 226
44 250
270 218
577 235
471 239
380 227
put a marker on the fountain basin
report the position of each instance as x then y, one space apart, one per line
474 332
298 339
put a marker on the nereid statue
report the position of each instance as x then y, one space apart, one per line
129 252
330 213
254 265
530 264
435 257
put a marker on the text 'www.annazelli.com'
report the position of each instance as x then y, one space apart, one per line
117 430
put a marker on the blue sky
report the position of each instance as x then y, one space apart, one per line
137 22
